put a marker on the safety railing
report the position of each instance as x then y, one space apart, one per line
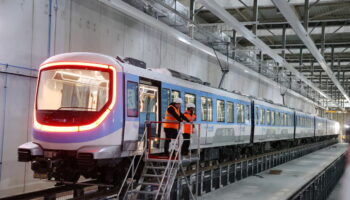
149 150
130 174
175 159
153 150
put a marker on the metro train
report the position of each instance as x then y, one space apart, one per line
90 111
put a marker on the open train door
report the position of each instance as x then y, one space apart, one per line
141 105
149 101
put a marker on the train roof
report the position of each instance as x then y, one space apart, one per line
170 76
82 57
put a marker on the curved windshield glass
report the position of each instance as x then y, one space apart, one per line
73 89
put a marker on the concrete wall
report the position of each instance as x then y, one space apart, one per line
85 25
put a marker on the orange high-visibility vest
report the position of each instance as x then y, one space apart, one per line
170 118
189 128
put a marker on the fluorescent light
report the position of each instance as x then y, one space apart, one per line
184 40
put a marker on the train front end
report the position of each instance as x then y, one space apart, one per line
77 126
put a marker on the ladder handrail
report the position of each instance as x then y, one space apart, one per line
170 165
173 162
142 141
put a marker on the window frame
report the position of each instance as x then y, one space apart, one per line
136 100
195 100
233 112
204 111
171 95
240 116
217 110
212 109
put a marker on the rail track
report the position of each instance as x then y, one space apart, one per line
210 177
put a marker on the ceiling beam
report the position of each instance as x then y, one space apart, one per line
298 28
327 45
232 21
263 23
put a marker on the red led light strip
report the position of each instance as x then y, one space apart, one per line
92 125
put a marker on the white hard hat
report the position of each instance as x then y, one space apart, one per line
190 105
177 100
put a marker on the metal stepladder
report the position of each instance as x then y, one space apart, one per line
159 172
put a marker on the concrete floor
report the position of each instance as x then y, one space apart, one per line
294 174
335 193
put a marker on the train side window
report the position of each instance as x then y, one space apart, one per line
277 118
220 107
247 108
268 117
204 110
165 100
262 116
256 115
132 96
240 113
230 112
175 94
190 98
283 119
302 121
286 123
210 109
272 118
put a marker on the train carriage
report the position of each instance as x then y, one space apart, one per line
272 122
304 125
90 113
332 128
320 126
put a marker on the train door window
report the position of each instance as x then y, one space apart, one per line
262 116
210 109
190 98
204 111
230 112
165 100
256 115
148 100
240 113
175 94
272 118
220 107
132 98
247 109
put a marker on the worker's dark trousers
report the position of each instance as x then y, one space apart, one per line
170 133
185 144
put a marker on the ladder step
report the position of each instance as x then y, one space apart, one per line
161 160
150 183
154 192
155 167
152 175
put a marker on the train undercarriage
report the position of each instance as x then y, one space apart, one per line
69 166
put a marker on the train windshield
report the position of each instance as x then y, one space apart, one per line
70 96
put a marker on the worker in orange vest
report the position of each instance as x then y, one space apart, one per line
188 128
173 117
